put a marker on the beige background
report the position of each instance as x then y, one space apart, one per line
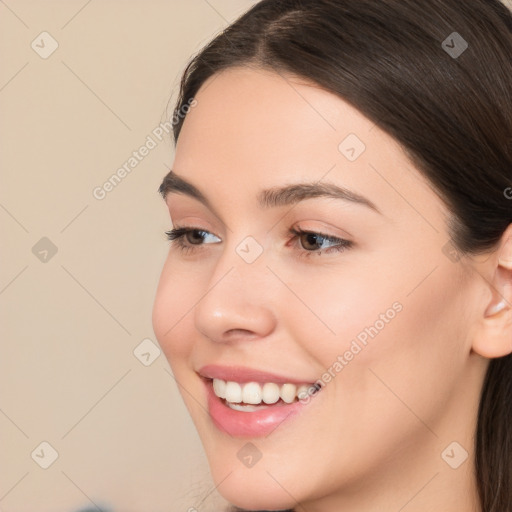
70 323
69 326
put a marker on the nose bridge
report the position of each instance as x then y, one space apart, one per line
243 261
237 297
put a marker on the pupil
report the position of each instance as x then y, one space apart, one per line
195 237
312 239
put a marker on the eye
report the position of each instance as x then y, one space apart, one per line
190 239
318 243
185 238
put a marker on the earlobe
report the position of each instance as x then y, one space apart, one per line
495 308
493 337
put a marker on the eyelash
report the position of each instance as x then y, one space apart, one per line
177 237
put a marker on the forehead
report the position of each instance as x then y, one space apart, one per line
254 129
262 108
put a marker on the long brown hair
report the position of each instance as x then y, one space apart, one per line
437 76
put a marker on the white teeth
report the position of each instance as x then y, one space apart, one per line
270 393
302 392
246 408
251 393
288 393
233 392
219 387
254 393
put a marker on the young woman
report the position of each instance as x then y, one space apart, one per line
336 305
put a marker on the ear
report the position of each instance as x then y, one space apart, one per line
493 337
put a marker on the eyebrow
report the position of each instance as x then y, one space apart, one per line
273 197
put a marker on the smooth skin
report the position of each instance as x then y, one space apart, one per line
372 439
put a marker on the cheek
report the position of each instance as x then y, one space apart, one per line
383 341
405 374
394 311
174 301
338 311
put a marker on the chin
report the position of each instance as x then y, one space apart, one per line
253 488
255 498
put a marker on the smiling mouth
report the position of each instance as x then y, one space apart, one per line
254 396
255 409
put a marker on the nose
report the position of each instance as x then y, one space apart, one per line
237 302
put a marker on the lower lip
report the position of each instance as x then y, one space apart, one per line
249 424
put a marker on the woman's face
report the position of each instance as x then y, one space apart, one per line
377 310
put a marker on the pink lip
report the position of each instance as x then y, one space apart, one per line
249 424
243 374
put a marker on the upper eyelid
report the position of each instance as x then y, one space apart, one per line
282 219
187 229
297 231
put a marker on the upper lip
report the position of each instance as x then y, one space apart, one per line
245 374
